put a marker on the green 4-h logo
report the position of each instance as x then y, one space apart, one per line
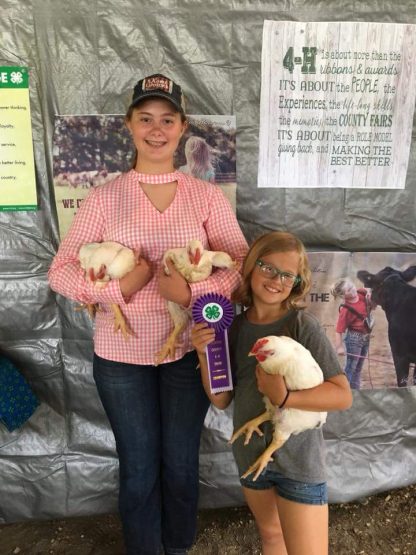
16 77
213 312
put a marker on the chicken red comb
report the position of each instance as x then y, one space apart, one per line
194 258
101 272
258 345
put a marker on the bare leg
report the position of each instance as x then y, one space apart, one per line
263 505
305 527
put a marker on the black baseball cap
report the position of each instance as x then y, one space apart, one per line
160 86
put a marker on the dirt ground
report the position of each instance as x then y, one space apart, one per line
383 524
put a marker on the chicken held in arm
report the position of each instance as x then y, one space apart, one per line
285 356
103 262
195 264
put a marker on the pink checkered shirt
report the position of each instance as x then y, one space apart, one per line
120 211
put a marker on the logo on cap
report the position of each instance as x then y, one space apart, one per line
158 82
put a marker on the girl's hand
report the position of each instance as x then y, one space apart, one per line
271 385
174 287
340 350
201 336
137 278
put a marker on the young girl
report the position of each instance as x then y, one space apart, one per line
351 323
156 413
290 495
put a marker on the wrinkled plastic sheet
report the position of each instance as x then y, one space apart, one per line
84 58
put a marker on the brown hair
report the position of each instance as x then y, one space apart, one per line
131 109
275 241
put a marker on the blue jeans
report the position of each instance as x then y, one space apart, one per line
356 345
308 493
156 414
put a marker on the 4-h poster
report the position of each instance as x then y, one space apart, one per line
337 103
17 167
389 279
90 150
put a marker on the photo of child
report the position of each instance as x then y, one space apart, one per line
207 151
352 333
198 159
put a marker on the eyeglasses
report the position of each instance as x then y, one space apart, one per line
270 271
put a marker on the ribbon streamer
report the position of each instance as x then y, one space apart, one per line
217 311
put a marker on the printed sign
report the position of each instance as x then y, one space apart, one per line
337 102
17 168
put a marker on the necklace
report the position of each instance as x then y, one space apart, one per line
158 177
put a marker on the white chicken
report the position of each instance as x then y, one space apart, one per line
194 263
285 356
103 262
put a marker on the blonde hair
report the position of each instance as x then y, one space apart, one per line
339 287
269 243
198 156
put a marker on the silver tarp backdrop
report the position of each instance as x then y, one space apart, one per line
84 57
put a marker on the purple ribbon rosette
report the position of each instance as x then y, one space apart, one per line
217 311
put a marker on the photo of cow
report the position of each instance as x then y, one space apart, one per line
386 356
390 290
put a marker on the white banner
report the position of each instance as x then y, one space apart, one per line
337 102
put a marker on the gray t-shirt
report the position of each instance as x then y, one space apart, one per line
302 456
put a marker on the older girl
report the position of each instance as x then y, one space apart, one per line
156 413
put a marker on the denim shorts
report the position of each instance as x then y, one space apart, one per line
300 492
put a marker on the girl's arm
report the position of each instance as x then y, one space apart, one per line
174 287
136 279
224 234
201 336
68 278
333 394
339 344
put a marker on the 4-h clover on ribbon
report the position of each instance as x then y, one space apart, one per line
212 312
216 311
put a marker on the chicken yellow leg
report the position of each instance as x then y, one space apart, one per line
120 322
170 344
180 319
260 464
91 309
250 427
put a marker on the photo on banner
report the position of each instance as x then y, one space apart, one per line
337 103
91 150
208 151
383 359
